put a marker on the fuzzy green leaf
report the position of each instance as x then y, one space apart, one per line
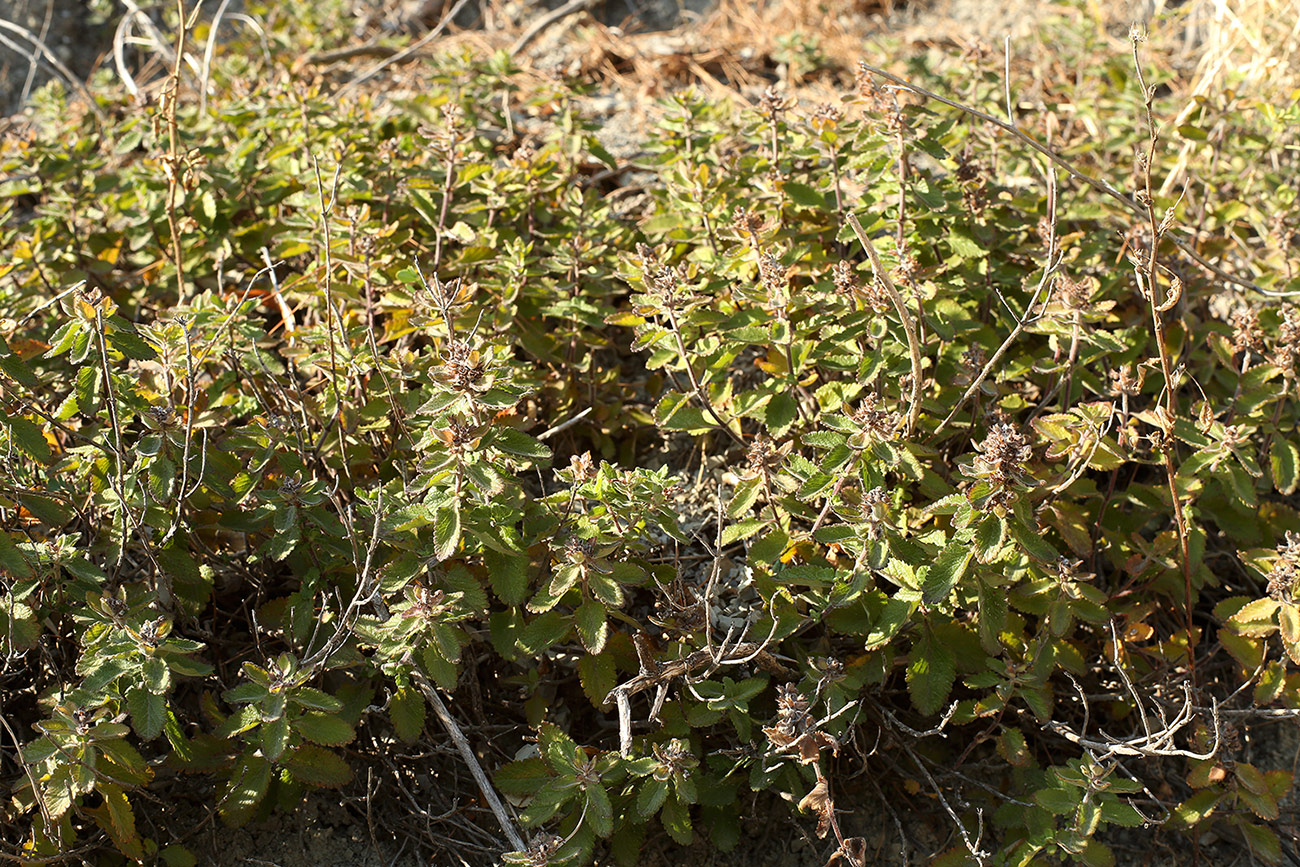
947 571
323 728
148 712
407 710
1284 459
930 674
248 784
317 766
590 623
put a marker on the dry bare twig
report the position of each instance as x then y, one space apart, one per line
467 753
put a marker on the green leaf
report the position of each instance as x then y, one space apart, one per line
317 766
1097 854
157 677
148 712
892 617
676 819
446 530
15 368
993 616
131 345
323 728
781 413
1197 807
177 855
248 784
651 797
743 497
1263 842
1284 458
543 632
315 699
1060 801
947 571
590 623
407 710
741 530
600 812
557 748
804 196
523 777
930 674
27 435
1117 812
598 676
508 574
1032 541
1258 617
443 671
519 444
119 819
275 737
989 536
12 558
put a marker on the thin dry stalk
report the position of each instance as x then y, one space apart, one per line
43 53
1158 307
900 307
467 753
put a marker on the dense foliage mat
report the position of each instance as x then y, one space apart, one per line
819 438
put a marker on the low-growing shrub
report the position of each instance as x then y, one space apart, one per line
884 437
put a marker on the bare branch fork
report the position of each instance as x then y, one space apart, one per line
1153 742
972 846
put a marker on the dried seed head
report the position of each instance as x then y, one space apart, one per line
1166 223
876 295
1127 381
972 362
1069 570
1205 418
772 104
747 223
827 116
578 550
975 51
908 266
878 100
523 156
878 424
1172 298
540 851
666 282
1286 570
773 274
1288 340
1074 294
846 282
675 759
764 458
582 468
464 369
1247 333
1002 460
459 435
